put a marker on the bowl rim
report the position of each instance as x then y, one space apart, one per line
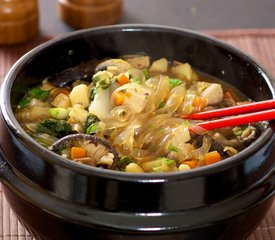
14 126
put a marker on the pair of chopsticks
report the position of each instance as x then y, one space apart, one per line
244 114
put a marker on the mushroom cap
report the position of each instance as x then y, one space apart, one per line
67 141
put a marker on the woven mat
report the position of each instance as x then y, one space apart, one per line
259 44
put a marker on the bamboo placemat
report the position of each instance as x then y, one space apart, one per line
260 44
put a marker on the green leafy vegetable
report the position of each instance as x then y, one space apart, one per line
91 124
124 161
173 82
92 128
35 92
54 127
24 102
93 92
103 79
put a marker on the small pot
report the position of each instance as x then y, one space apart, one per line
58 199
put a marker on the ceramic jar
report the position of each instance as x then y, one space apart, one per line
19 20
90 13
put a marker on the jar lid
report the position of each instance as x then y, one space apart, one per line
91 2
17 10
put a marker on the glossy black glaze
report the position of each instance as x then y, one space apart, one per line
206 203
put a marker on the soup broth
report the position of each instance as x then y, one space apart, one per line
131 114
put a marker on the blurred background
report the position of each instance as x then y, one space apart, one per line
191 14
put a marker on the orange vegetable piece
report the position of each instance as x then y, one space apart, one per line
212 157
199 103
191 163
78 152
123 79
119 98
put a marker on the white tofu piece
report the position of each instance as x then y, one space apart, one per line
213 93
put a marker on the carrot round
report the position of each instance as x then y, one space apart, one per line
212 157
78 152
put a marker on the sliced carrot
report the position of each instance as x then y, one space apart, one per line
199 103
212 157
191 163
78 152
123 79
119 98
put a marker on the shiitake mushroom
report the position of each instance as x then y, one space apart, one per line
94 143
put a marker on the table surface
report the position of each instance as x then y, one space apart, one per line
191 14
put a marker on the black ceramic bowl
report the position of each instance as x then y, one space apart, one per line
58 199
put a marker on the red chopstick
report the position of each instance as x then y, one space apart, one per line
252 110
228 111
237 120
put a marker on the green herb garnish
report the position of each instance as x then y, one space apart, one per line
173 148
173 82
